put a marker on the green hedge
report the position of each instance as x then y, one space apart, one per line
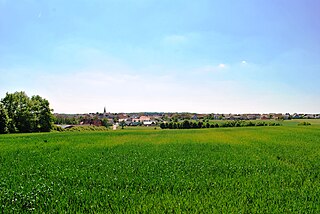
196 125
80 129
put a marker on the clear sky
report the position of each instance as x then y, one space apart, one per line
239 56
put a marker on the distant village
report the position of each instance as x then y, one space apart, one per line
155 118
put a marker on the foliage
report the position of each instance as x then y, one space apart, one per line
185 124
162 126
57 128
3 119
27 114
304 124
169 171
193 125
106 123
122 124
66 120
86 128
41 113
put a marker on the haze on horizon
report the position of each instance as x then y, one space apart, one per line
245 56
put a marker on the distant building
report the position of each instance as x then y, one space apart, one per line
264 117
144 119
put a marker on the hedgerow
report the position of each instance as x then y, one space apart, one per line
80 129
304 124
196 125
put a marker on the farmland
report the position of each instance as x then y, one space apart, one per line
245 170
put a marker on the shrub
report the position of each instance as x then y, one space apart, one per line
186 124
162 126
86 128
250 123
261 124
304 124
57 128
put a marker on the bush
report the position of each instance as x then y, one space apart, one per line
186 124
304 124
261 124
86 128
162 126
250 123
194 125
274 124
57 128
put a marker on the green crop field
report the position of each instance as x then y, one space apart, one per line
223 170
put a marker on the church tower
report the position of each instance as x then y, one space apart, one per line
104 111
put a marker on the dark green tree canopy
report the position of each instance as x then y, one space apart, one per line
26 114
3 119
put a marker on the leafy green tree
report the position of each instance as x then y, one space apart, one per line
25 114
18 108
42 117
122 124
105 123
162 126
194 125
186 124
179 126
3 120
9 105
175 126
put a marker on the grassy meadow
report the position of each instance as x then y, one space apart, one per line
223 170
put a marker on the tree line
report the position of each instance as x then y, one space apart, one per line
196 125
21 114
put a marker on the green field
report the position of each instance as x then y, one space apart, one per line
223 170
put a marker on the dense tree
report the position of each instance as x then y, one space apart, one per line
162 126
41 114
3 119
175 126
9 105
18 108
61 119
27 115
186 124
193 125
122 124
105 123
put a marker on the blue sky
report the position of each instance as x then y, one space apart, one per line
240 56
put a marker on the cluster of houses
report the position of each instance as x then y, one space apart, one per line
270 116
154 118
